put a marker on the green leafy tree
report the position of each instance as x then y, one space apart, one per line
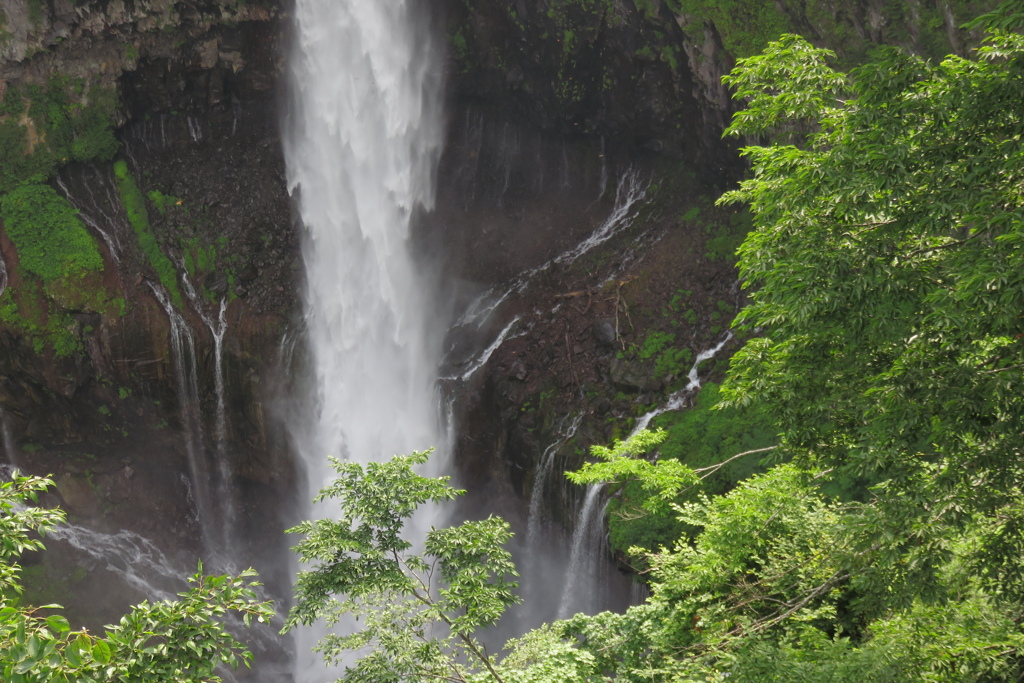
886 272
182 640
418 611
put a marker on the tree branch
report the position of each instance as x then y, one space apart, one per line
467 641
711 469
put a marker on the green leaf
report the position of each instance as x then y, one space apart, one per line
58 623
101 652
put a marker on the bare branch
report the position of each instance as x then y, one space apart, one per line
711 469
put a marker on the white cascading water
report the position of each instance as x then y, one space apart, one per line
3 275
209 503
589 542
127 555
630 191
134 559
7 439
546 466
581 591
362 144
677 401
102 220
217 331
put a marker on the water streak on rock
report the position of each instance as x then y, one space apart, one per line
629 192
679 399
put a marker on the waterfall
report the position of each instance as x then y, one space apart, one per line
3 275
639 592
583 582
10 451
183 349
362 143
481 359
630 190
583 579
100 213
543 540
628 193
218 358
195 129
544 469
129 556
223 493
678 400
217 331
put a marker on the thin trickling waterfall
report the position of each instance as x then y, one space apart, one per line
361 147
195 129
583 581
183 348
100 212
481 359
678 400
10 451
541 559
639 592
630 191
581 591
224 496
566 431
133 558
217 330
3 275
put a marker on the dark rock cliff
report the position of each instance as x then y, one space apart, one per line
196 119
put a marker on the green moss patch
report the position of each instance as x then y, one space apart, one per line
138 215
60 269
51 242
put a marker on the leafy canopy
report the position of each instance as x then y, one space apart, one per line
886 273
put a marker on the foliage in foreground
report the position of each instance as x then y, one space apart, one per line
887 272
700 438
419 611
183 640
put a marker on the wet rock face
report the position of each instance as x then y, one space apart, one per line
599 68
106 37
197 85
198 133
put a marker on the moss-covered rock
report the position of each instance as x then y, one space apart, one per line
44 126
51 241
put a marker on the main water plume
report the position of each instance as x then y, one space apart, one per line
362 143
